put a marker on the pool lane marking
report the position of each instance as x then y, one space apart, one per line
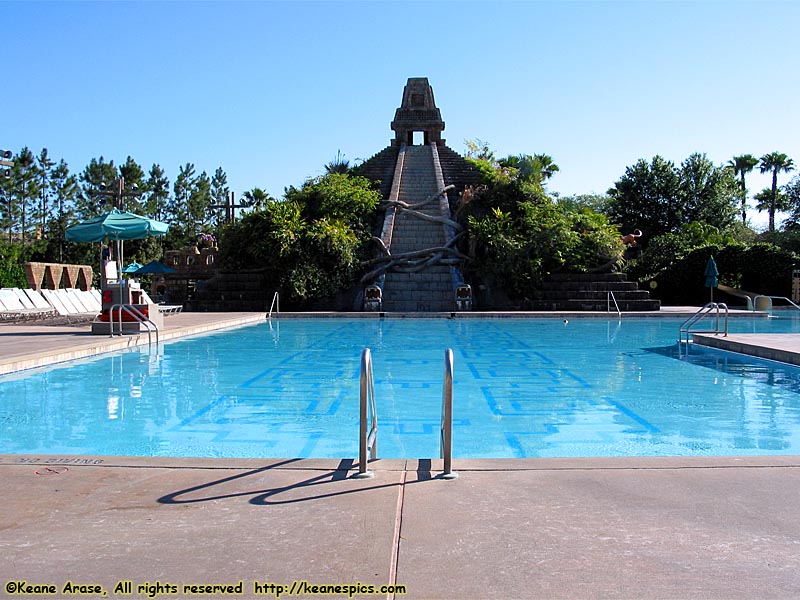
516 446
199 413
629 413
511 336
311 443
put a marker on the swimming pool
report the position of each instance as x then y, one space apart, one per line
522 388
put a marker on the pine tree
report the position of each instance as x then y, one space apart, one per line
97 175
156 194
45 167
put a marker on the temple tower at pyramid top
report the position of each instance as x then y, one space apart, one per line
418 112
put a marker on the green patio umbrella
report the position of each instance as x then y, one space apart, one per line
132 268
116 225
154 267
712 275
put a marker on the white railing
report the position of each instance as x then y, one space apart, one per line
368 419
609 298
138 316
276 304
769 299
704 312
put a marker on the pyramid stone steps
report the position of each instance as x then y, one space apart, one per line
430 289
590 292
624 305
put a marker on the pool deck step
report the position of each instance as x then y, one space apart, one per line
782 347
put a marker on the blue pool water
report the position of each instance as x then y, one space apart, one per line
522 388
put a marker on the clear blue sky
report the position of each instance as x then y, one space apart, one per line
270 91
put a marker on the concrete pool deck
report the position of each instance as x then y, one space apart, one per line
717 527
28 345
535 528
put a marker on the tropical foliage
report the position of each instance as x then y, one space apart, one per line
742 165
689 214
792 194
529 171
338 165
517 234
311 243
774 162
658 197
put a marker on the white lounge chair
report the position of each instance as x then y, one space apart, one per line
84 300
15 305
67 307
165 309
37 300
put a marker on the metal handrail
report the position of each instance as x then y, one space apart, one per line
774 298
702 313
446 431
276 303
138 315
368 419
609 298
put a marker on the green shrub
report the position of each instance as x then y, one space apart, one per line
12 257
518 236
760 268
312 243
349 198
12 274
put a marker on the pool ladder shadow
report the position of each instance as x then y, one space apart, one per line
368 418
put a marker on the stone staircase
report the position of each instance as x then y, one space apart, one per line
429 290
589 292
457 170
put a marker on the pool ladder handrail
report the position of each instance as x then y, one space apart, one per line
368 418
609 298
138 316
771 298
446 429
702 313
276 304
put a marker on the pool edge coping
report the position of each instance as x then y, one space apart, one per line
405 464
105 344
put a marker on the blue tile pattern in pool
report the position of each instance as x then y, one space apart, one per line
522 388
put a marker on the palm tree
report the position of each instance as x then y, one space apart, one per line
742 165
531 169
775 162
338 165
764 200
257 199
546 167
